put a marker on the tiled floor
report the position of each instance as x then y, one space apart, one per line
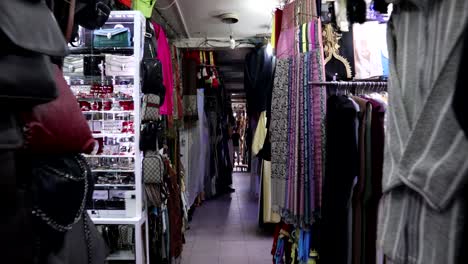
225 230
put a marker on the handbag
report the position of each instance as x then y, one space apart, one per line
92 14
73 65
26 78
150 108
153 167
118 36
94 65
153 78
10 133
120 65
60 189
149 136
59 126
83 244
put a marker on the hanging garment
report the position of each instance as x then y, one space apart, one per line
164 55
373 186
276 27
365 117
268 215
258 80
175 212
260 134
145 6
459 105
338 181
368 51
423 211
279 135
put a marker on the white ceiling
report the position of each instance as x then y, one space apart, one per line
200 16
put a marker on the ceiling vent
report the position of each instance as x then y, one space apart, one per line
229 18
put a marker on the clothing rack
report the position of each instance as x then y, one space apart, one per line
376 86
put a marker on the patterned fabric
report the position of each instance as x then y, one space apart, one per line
297 128
153 167
150 107
279 133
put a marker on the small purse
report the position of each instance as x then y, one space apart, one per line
153 167
149 136
150 107
73 65
120 65
112 37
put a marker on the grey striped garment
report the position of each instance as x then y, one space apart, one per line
422 213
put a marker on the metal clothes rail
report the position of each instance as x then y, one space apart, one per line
376 86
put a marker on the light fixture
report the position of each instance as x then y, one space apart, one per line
232 42
229 19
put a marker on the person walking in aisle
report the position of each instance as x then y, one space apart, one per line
236 143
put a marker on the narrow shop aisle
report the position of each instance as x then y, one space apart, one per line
224 230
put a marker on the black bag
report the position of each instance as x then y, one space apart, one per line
10 133
82 245
26 75
152 78
92 14
149 136
150 50
61 185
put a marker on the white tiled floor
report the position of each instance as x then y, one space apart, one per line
225 230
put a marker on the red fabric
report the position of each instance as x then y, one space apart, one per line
278 22
58 127
128 3
192 55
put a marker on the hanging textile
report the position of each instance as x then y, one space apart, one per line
176 62
297 126
164 55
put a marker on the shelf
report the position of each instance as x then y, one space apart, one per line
114 185
110 50
109 156
113 135
110 112
121 255
99 98
117 220
111 170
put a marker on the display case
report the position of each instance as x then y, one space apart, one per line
103 71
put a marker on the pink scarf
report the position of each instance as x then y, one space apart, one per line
164 55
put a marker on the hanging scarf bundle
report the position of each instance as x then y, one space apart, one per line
297 127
